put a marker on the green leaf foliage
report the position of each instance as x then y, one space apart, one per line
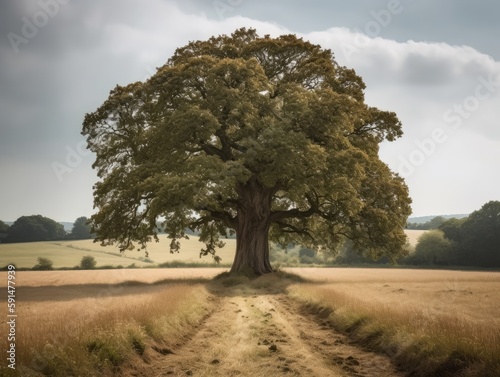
35 228
432 249
479 237
43 264
88 262
3 227
81 229
239 112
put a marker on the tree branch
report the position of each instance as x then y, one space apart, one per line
289 228
223 216
296 213
214 151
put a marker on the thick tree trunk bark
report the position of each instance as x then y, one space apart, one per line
252 229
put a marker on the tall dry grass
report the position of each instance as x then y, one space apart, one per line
422 342
91 335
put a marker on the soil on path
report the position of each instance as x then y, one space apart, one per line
261 332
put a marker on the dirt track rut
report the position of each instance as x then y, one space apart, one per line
258 332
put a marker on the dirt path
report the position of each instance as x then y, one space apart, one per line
261 332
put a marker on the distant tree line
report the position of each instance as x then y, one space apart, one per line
39 228
434 223
471 241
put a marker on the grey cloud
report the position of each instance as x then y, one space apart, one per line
458 22
427 70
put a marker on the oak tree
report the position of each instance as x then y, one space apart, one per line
81 229
266 137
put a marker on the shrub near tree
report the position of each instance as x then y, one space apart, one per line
268 137
307 256
432 249
88 262
43 264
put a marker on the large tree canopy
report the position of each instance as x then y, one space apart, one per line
267 137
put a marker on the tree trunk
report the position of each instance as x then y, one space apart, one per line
252 229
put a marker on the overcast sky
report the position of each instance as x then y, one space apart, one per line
435 63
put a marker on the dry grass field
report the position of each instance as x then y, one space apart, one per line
70 253
433 322
323 322
81 278
82 322
474 296
413 235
